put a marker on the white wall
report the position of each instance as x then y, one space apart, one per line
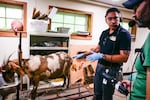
9 44
98 19
140 38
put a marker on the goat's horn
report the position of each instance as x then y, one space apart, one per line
6 61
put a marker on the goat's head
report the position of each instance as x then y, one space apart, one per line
7 73
9 69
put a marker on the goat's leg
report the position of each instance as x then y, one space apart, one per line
3 98
33 93
34 90
66 82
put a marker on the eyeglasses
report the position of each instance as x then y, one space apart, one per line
112 18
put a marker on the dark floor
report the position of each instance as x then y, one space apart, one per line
82 93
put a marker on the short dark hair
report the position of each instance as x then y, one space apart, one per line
112 10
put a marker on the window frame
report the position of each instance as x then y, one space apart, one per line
10 33
90 21
132 29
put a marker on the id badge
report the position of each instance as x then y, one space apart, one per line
104 81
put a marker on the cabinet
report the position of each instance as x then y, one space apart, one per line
44 43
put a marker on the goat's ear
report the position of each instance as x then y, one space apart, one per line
14 61
16 68
20 71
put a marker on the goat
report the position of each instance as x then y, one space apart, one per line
39 67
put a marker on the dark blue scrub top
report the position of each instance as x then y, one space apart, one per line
111 44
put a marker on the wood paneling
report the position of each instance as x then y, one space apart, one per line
80 63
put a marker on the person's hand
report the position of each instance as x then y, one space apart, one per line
94 56
78 56
127 84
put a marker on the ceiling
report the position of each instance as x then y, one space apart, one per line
111 2
115 3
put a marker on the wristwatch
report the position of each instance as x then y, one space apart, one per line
104 57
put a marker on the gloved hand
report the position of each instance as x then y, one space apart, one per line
94 56
78 56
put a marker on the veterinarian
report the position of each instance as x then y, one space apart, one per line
141 85
112 51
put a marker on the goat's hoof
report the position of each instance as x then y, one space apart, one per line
32 96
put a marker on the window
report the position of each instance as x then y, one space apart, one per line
11 10
73 19
7 15
76 22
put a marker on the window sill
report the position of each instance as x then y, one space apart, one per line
11 34
81 37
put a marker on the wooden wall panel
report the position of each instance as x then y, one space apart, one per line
80 63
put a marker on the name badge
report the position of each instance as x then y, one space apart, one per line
104 81
112 38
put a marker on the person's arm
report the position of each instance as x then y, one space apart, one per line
122 57
116 58
86 53
148 83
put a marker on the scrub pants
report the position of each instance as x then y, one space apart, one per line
102 91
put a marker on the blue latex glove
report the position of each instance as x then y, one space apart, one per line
94 56
78 56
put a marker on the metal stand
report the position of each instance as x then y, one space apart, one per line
17 94
15 84
20 63
19 86
20 49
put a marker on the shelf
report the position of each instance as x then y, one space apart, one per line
49 34
48 42
81 37
48 48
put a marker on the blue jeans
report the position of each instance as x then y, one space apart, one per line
102 91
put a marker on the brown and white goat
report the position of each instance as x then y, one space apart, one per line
40 67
